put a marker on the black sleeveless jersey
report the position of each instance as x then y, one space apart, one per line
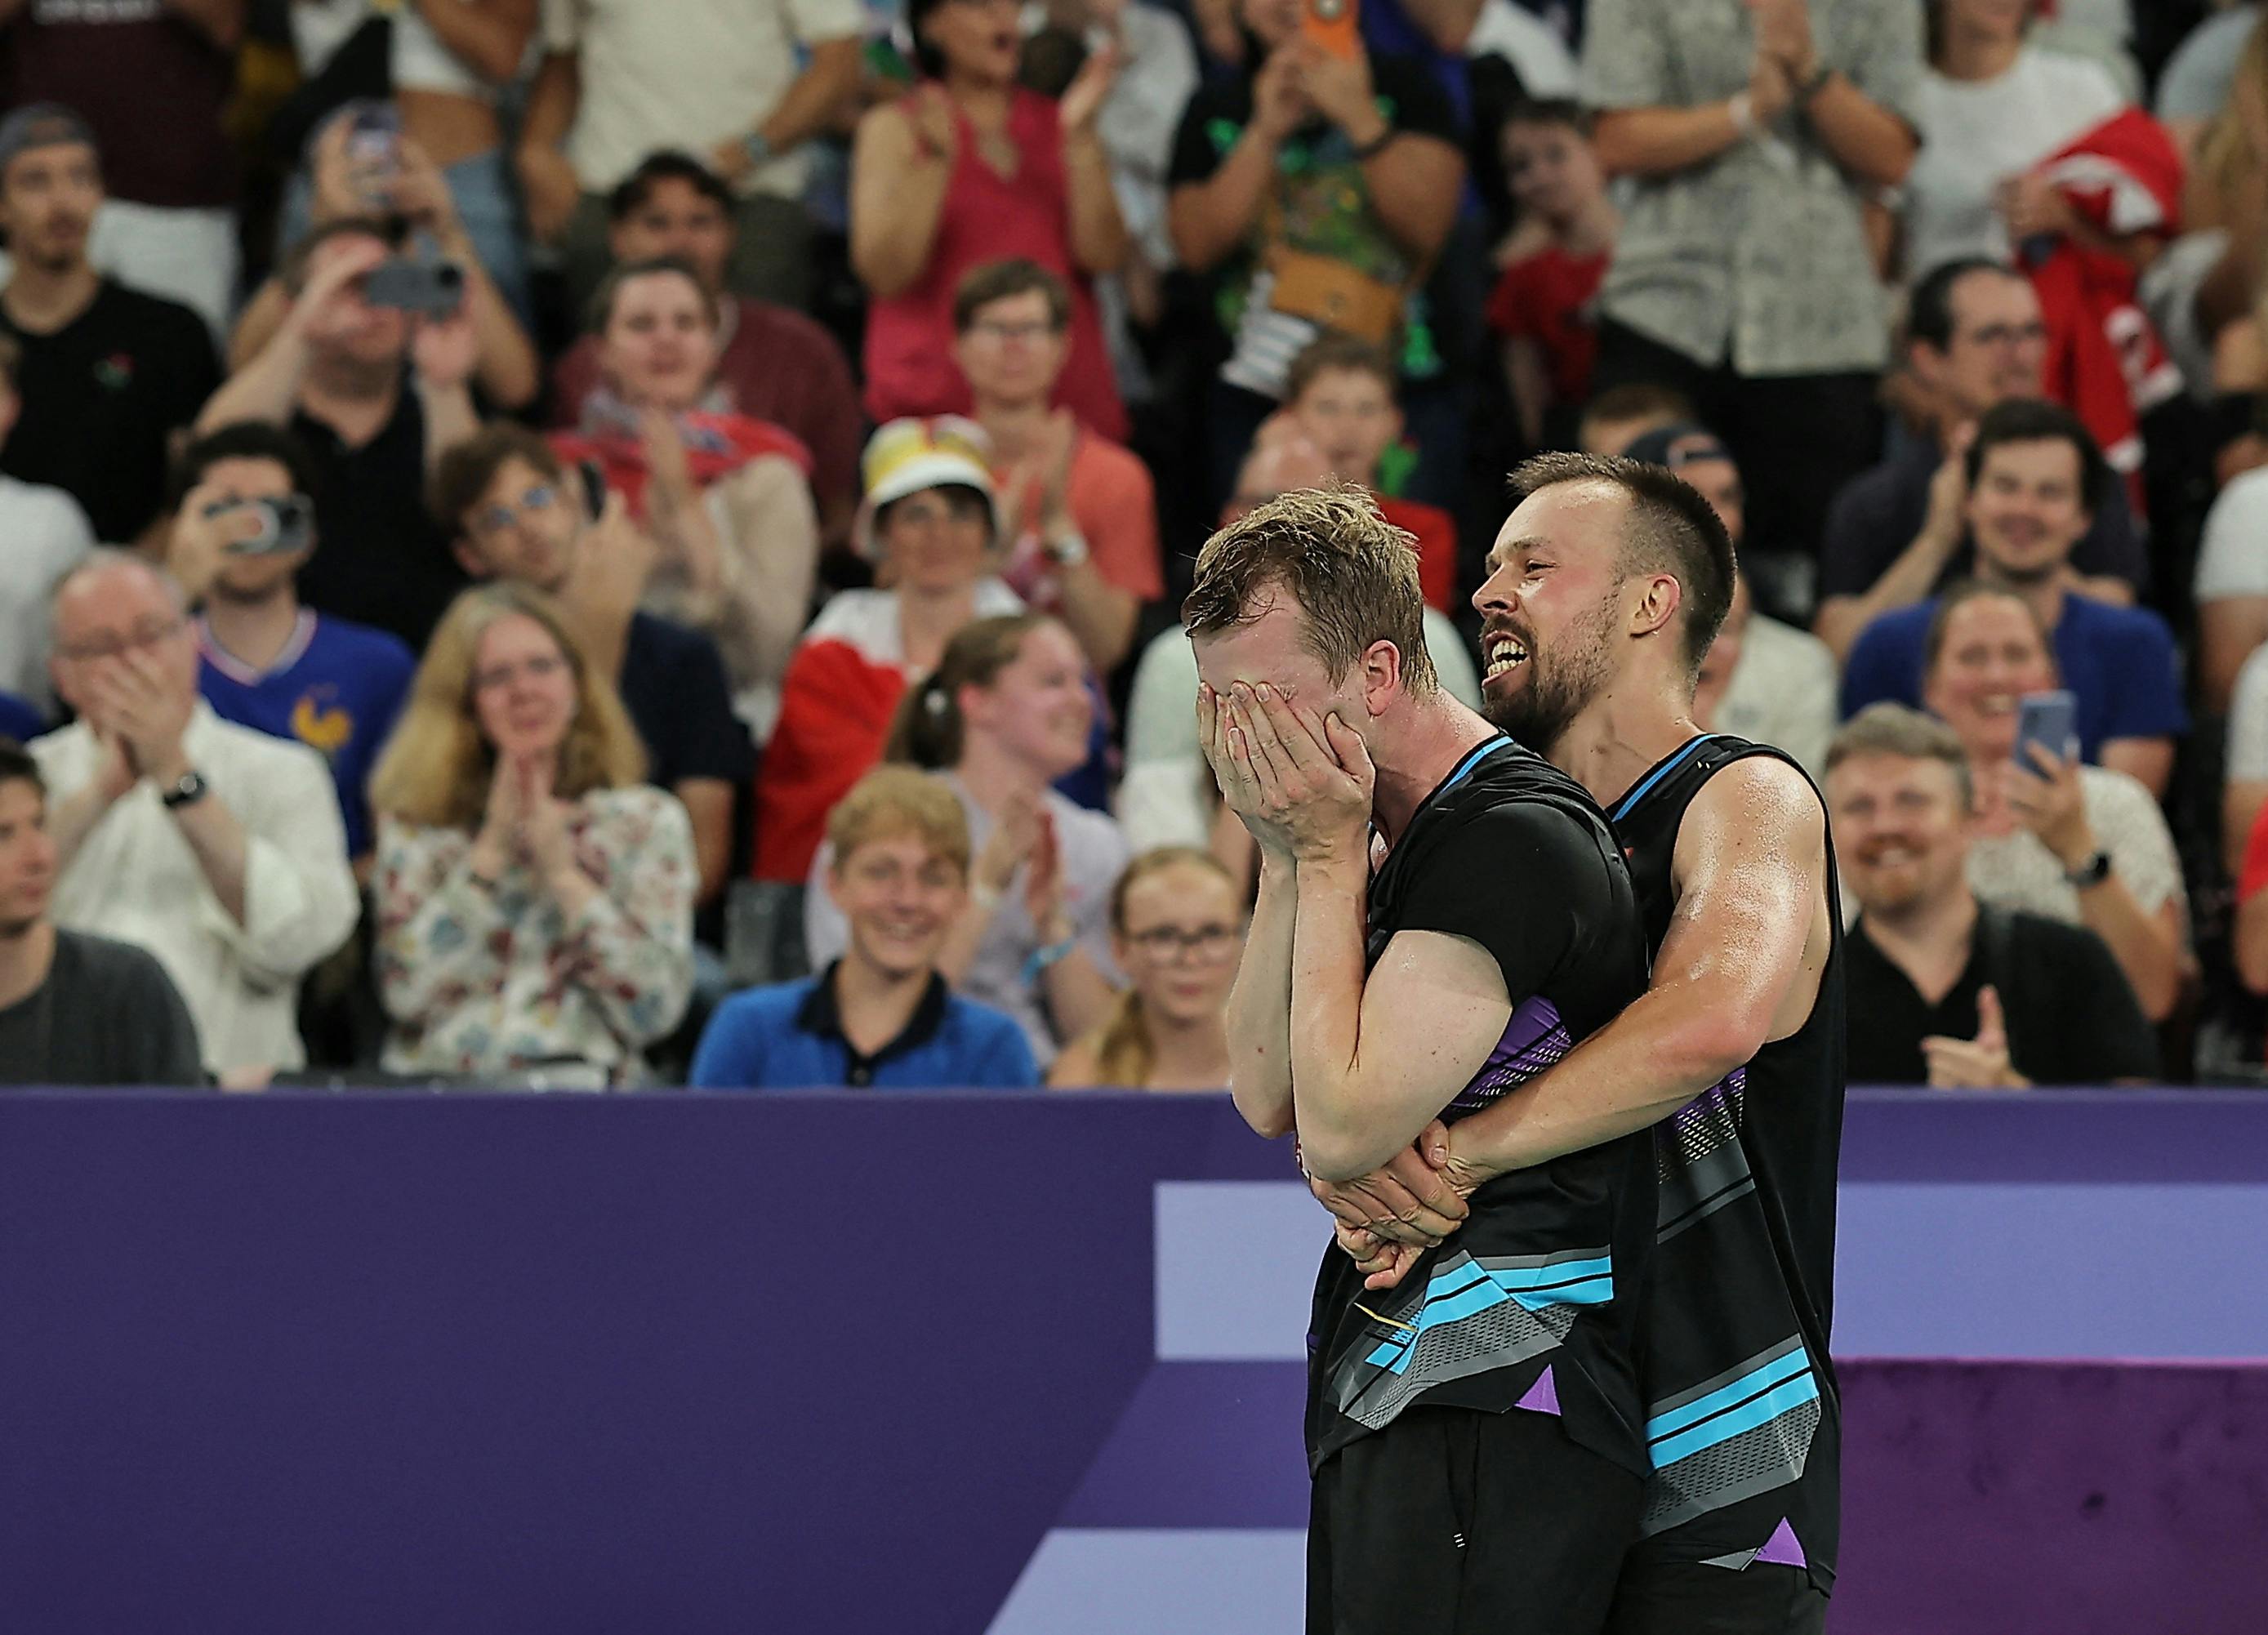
1534 1303
1743 1423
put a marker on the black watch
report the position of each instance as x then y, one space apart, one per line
2094 871
187 789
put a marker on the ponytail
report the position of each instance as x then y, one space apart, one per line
929 730
1124 1053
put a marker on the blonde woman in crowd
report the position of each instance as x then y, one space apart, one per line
535 897
1176 929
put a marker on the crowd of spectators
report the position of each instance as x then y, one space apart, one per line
597 543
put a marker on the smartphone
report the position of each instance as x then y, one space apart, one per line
374 135
431 289
594 488
2050 720
287 525
1332 26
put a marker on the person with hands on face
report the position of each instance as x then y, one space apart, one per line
346 185
972 168
1947 989
1004 714
534 895
1378 995
217 847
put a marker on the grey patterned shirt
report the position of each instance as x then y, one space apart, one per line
1763 249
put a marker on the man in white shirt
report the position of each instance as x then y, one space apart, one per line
624 78
218 848
47 534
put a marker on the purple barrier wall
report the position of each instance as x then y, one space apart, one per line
1006 1365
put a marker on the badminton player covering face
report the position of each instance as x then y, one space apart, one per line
1473 1433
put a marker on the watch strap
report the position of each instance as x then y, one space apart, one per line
2094 871
191 786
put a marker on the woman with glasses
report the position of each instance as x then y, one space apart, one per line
1005 713
535 897
1176 929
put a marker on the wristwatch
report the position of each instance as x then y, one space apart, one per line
756 147
187 790
1067 552
2094 871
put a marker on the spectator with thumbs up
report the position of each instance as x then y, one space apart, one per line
1944 989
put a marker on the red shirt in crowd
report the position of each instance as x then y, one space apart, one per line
1547 296
991 217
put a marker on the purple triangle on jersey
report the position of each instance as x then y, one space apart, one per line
1782 1549
1542 1397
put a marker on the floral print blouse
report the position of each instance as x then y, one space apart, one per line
481 979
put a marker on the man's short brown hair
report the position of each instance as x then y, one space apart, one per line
1355 575
467 470
1331 354
292 272
893 801
1891 729
997 281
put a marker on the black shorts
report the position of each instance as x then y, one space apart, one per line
1454 1522
1657 1597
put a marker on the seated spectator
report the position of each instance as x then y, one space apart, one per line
2027 473
773 364
347 182
1974 340
1743 275
2084 844
2232 588
881 1015
263 661
929 526
216 848
1176 928
108 374
1990 107
1167 796
725 496
47 535
376 395
1315 208
1339 396
1553 265
534 895
1004 714
1080 514
1943 989
152 84
74 1009
1761 679
744 83
972 168
1618 416
519 517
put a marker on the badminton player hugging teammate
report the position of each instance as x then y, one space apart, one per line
1476 1433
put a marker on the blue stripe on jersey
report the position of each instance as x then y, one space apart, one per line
1464 768
1623 806
1768 1407
1459 1296
1772 1373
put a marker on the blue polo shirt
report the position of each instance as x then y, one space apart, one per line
335 688
790 1037
2118 662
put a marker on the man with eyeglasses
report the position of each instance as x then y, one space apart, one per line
243 528
516 512
218 848
1975 339
1079 512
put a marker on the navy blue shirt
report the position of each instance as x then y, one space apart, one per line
2119 662
790 1037
20 719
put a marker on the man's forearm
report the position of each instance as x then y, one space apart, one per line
1842 620
1660 140
450 419
552 101
71 818
266 389
1326 1020
810 102
1101 616
1259 1017
1865 138
218 839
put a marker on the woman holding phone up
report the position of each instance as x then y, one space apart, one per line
2083 845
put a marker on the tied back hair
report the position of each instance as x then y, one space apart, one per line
1125 1051
929 730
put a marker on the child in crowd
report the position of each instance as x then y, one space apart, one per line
1176 928
1552 262
882 1014
1339 399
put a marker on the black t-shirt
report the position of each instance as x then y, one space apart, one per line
2072 1018
379 557
1535 1302
107 1015
103 396
1877 514
1743 1417
673 685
